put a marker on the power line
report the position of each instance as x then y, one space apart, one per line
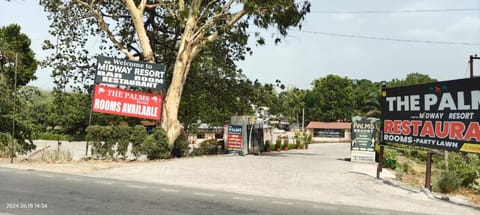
397 11
389 39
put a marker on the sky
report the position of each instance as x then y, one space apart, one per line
334 40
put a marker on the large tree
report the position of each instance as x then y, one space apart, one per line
135 27
15 57
330 99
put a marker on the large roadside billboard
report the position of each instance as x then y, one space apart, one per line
122 102
443 115
124 72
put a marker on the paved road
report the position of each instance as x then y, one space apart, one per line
33 192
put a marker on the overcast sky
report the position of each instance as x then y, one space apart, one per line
320 49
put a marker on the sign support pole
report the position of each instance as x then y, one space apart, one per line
382 141
380 161
90 117
12 153
428 172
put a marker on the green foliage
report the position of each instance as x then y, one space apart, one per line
292 102
298 141
390 159
70 111
13 42
122 138
466 167
366 96
405 167
138 134
411 79
268 146
285 143
448 182
476 186
113 141
330 99
207 147
156 145
180 147
6 146
15 52
278 144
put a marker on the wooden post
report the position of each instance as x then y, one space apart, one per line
380 161
428 172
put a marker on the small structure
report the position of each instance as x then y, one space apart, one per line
329 131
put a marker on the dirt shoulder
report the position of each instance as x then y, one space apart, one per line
68 167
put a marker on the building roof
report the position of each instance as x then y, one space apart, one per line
329 125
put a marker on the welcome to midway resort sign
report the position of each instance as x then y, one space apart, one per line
442 115
121 72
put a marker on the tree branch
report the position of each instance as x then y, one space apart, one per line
137 20
166 5
104 27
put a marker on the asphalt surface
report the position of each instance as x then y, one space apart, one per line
35 192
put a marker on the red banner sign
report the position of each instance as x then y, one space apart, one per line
122 102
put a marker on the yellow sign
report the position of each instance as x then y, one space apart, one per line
470 147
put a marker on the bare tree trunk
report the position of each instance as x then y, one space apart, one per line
187 51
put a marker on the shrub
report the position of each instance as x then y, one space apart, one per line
180 147
448 182
267 146
278 144
465 167
6 143
405 167
390 159
138 134
156 145
122 138
95 133
307 139
476 186
285 144
207 147
298 141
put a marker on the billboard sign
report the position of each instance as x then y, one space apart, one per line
124 72
364 132
122 102
234 139
443 115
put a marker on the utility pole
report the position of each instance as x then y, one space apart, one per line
14 109
472 57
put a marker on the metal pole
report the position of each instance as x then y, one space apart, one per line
471 66
303 121
14 109
472 57
89 124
